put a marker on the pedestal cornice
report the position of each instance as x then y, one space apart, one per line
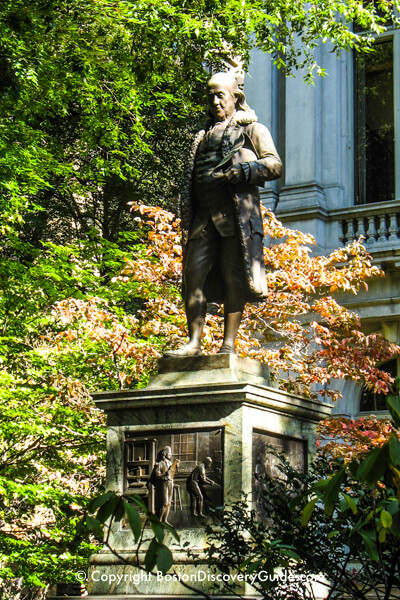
225 379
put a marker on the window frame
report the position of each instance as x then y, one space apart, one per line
180 440
380 413
393 34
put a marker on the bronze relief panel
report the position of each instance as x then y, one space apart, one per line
177 474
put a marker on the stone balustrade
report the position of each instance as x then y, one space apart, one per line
379 225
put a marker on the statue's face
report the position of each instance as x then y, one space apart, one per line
221 99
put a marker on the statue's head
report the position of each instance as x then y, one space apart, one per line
166 452
225 96
207 462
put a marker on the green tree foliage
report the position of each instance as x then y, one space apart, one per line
85 85
98 99
69 325
77 83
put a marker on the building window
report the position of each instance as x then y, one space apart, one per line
370 401
184 446
375 124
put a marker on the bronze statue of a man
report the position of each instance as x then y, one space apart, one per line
221 217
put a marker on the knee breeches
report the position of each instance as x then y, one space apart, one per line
207 251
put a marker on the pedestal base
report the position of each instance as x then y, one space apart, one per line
221 407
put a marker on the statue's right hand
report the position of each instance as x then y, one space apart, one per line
234 174
219 175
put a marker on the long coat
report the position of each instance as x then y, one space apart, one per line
265 165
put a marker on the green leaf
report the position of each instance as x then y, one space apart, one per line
333 534
158 531
395 528
107 509
245 563
350 503
164 558
332 491
321 485
386 519
172 530
99 501
119 511
393 404
139 502
307 512
150 558
94 525
253 567
134 520
352 467
370 544
393 506
394 451
290 553
374 465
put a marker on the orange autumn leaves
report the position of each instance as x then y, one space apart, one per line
305 336
351 439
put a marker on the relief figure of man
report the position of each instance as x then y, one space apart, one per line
163 480
221 217
195 486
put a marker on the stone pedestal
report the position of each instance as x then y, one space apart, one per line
220 406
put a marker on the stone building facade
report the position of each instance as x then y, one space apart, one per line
340 145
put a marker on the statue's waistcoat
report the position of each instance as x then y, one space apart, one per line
212 198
